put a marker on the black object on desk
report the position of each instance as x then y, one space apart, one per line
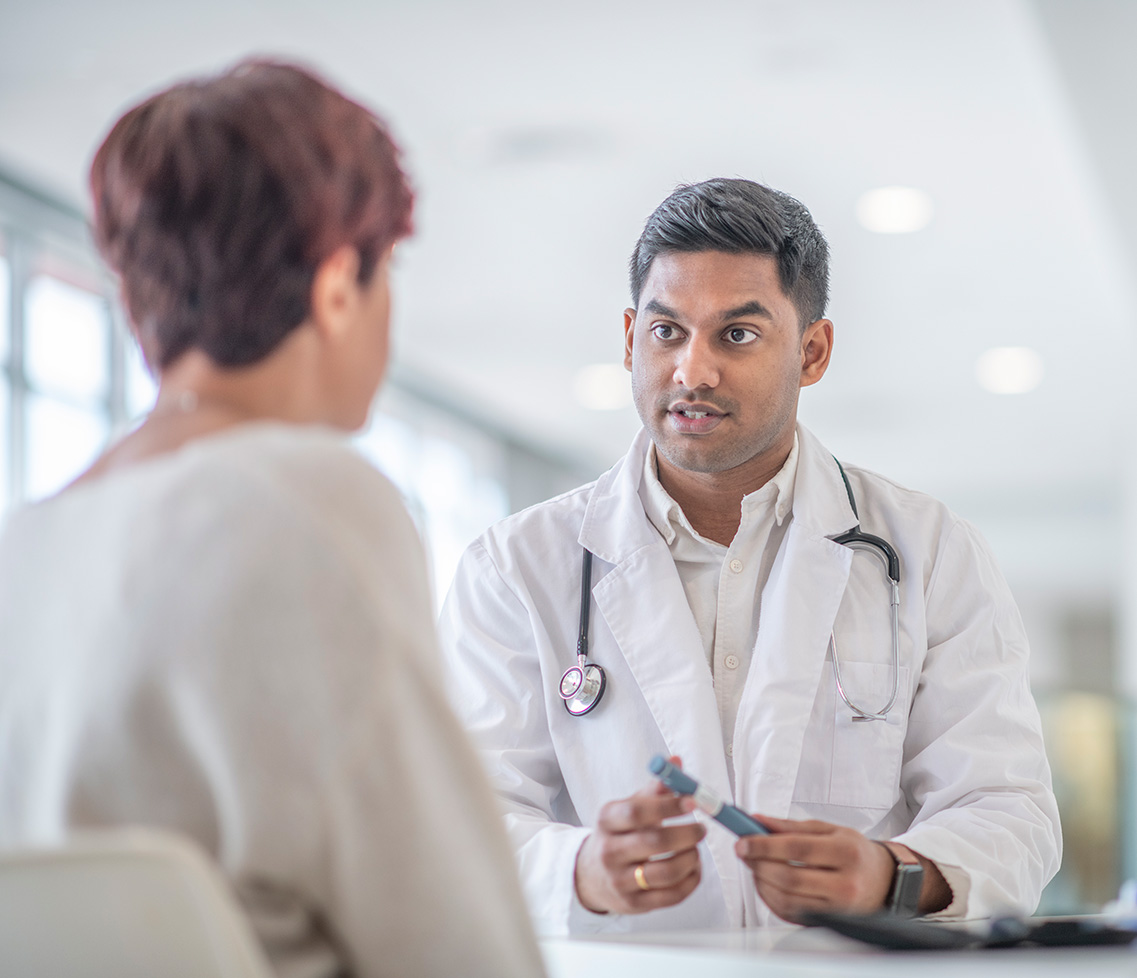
888 931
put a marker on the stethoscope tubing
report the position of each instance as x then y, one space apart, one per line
583 685
857 539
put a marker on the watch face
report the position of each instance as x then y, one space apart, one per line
905 901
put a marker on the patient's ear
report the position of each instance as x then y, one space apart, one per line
336 292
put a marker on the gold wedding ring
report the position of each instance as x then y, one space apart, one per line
640 881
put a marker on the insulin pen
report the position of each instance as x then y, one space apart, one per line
706 800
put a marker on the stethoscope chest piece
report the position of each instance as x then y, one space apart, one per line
581 688
582 685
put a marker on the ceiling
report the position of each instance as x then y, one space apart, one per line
541 135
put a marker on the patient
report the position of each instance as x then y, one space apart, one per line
224 627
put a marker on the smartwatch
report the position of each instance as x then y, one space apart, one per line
903 898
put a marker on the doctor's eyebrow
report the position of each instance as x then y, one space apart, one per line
656 308
751 308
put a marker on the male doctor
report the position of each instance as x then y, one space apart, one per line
720 604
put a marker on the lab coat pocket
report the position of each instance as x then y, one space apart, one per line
867 753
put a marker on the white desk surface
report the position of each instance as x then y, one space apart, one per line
810 953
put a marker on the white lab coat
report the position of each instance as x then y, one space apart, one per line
958 771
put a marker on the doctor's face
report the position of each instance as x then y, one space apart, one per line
718 357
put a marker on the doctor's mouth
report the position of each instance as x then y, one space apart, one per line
695 417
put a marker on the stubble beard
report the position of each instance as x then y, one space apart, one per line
707 455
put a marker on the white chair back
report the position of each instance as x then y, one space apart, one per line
122 904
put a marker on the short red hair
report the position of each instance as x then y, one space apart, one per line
217 199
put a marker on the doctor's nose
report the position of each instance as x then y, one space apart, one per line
696 366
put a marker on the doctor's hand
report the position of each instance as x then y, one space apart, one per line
615 871
816 866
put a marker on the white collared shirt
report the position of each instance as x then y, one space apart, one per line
724 584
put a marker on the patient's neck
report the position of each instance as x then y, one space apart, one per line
198 398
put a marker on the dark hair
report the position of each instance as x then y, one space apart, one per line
217 199
739 216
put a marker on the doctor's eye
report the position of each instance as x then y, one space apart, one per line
738 336
664 331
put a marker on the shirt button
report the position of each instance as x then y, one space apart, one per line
736 565
731 661
730 750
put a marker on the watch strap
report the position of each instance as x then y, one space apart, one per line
903 898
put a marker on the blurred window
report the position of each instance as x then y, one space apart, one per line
62 379
5 385
62 441
5 399
67 411
5 302
67 333
140 387
451 477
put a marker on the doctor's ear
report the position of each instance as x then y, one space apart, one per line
816 349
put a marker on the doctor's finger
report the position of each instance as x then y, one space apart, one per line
789 905
664 896
663 874
811 826
644 809
820 852
800 882
858 887
620 850
635 847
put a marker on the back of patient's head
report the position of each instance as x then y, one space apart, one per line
740 217
216 200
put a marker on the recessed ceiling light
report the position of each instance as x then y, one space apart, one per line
602 387
1010 369
894 210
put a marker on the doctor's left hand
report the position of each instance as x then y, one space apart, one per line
816 866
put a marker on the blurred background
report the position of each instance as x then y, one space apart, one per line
972 164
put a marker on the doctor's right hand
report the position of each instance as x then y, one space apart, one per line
615 871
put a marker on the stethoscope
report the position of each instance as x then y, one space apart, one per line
583 685
882 550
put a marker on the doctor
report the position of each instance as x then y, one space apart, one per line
720 603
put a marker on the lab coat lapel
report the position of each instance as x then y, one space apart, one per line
799 606
645 607
642 601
